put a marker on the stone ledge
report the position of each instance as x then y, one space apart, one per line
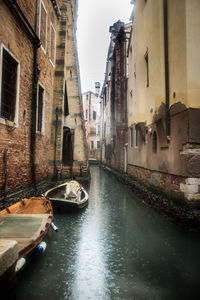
8 254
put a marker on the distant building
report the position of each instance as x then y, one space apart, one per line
91 107
163 95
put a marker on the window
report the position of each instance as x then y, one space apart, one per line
154 142
52 44
43 26
91 144
104 130
94 115
66 107
131 137
98 144
136 136
67 149
146 57
86 114
40 109
87 97
9 86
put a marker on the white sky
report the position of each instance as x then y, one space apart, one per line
93 36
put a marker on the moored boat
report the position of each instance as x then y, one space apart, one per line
70 194
27 222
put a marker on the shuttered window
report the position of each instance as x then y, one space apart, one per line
43 26
52 44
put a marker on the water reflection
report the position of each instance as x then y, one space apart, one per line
114 249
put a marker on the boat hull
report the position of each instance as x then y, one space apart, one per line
27 222
57 197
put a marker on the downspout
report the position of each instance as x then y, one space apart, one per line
34 106
55 146
5 175
166 49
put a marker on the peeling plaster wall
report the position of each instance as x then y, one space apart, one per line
178 155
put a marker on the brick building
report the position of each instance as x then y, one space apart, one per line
91 108
28 75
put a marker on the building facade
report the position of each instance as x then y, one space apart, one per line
69 151
114 134
31 50
91 107
163 95
27 53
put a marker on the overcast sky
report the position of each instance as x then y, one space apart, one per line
93 36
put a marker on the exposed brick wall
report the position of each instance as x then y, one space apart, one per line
17 140
167 181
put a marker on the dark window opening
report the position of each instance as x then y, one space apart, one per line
98 144
86 114
92 145
66 106
40 108
136 136
146 57
132 138
94 115
9 86
154 142
67 150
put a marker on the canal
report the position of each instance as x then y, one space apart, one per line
115 249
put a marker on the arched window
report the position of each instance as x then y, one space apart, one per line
154 142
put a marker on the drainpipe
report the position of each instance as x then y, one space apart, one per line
55 146
5 175
166 49
34 105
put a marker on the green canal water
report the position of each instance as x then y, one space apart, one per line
115 249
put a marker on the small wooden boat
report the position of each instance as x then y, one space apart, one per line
27 222
70 194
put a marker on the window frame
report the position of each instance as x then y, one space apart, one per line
146 58
3 120
86 114
94 115
91 145
42 132
52 28
42 4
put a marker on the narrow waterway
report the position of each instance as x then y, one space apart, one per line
114 249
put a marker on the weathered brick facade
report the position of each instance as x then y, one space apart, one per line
44 78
